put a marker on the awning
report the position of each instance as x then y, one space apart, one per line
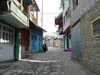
40 29
31 25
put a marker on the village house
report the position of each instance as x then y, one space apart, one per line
36 32
85 32
81 24
13 17
60 38
18 26
64 27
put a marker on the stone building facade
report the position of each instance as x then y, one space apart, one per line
79 7
84 18
90 45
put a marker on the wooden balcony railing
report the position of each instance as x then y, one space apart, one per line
19 5
32 18
19 13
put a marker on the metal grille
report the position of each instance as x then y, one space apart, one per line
96 27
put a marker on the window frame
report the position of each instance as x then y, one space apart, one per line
0 33
5 38
75 4
98 35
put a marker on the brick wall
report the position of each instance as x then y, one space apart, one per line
90 46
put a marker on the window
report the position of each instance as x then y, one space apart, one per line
75 4
11 30
3 37
6 29
7 38
96 27
0 37
12 39
0 33
0 27
3 27
19 1
6 35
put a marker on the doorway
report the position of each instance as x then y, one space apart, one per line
76 41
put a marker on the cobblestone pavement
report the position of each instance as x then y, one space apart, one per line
54 62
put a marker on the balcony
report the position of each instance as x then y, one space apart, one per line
14 14
60 30
33 19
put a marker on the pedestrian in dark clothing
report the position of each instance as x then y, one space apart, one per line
44 47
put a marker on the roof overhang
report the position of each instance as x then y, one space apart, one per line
35 4
41 29
67 30
31 25
59 20
38 28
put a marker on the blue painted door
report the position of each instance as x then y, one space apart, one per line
40 41
62 42
37 42
76 41
34 41
70 45
74 47
79 40
65 42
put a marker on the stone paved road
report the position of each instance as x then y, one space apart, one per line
54 62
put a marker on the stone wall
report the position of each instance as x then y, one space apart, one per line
90 46
82 8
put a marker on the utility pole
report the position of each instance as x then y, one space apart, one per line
42 15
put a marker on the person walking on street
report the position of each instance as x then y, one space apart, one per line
44 47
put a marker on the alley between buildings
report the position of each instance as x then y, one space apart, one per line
54 62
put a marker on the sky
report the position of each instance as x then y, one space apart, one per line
50 10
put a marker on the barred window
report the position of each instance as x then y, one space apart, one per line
0 37
96 27
0 27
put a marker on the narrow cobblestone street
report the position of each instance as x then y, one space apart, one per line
54 62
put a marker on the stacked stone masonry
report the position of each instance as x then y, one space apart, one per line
83 7
90 46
